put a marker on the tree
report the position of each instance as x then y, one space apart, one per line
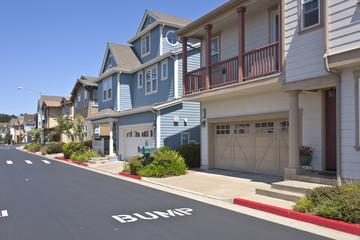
21 137
35 134
79 130
65 124
8 138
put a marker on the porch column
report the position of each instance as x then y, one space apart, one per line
208 55
184 63
111 141
294 161
241 41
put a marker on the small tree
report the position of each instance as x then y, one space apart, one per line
79 130
8 138
35 134
64 126
21 137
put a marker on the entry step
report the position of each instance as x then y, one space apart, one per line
279 194
295 186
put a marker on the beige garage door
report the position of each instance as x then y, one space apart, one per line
259 147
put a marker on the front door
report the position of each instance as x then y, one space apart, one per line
330 122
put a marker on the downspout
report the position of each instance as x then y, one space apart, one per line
118 93
161 38
338 94
176 76
157 113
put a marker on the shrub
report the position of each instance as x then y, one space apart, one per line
35 147
56 147
87 143
136 163
191 154
48 150
89 153
164 164
43 150
338 203
69 148
26 147
77 156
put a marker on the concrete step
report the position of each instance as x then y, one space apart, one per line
295 186
279 194
269 201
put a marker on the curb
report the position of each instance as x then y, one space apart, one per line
303 217
71 161
130 175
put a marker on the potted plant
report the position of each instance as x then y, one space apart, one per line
305 153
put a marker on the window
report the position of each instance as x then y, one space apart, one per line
136 134
107 85
223 129
145 45
264 127
79 100
140 79
310 13
164 70
214 50
85 98
145 133
95 98
97 131
242 128
284 126
185 138
129 134
151 80
171 38
274 26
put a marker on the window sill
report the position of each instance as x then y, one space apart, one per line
164 79
357 148
144 55
140 87
149 93
109 99
310 29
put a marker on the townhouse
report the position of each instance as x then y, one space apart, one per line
29 123
140 89
266 87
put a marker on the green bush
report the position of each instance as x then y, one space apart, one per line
191 154
26 147
35 147
89 153
87 143
56 147
77 156
69 148
48 150
136 163
165 163
338 203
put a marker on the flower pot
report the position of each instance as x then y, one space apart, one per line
305 160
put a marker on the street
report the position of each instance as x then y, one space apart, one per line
46 199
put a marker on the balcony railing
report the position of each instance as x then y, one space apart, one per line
259 62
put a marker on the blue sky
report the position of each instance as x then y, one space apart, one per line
47 45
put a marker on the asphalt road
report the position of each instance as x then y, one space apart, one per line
41 201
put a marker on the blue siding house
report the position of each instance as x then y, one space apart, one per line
140 89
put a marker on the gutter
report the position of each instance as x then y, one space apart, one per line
338 93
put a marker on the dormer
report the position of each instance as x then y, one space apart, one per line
156 35
109 60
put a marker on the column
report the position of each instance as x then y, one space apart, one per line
208 55
184 63
294 161
241 41
111 141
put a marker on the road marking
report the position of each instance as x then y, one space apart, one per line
4 213
46 162
9 162
28 161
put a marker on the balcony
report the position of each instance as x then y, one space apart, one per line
260 62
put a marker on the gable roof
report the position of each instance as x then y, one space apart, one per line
29 119
160 18
49 100
84 81
124 56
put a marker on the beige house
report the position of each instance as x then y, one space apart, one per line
266 87
67 110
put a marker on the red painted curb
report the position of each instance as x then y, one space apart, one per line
84 164
324 222
130 175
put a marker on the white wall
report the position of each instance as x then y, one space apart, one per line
303 52
344 33
349 156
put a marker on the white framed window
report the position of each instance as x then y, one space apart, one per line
185 138
171 38
145 45
274 26
107 87
215 50
129 134
151 80
79 100
97 131
85 98
140 79
164 70
145 133
95 98
310 13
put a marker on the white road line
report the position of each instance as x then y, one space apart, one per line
46 162
9 162
28 161
4 213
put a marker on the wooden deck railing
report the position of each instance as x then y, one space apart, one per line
259 62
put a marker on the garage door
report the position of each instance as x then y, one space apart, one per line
259 147
134 138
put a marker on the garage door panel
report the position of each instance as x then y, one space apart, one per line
265 154
134 137
243 153
223 152
283 152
